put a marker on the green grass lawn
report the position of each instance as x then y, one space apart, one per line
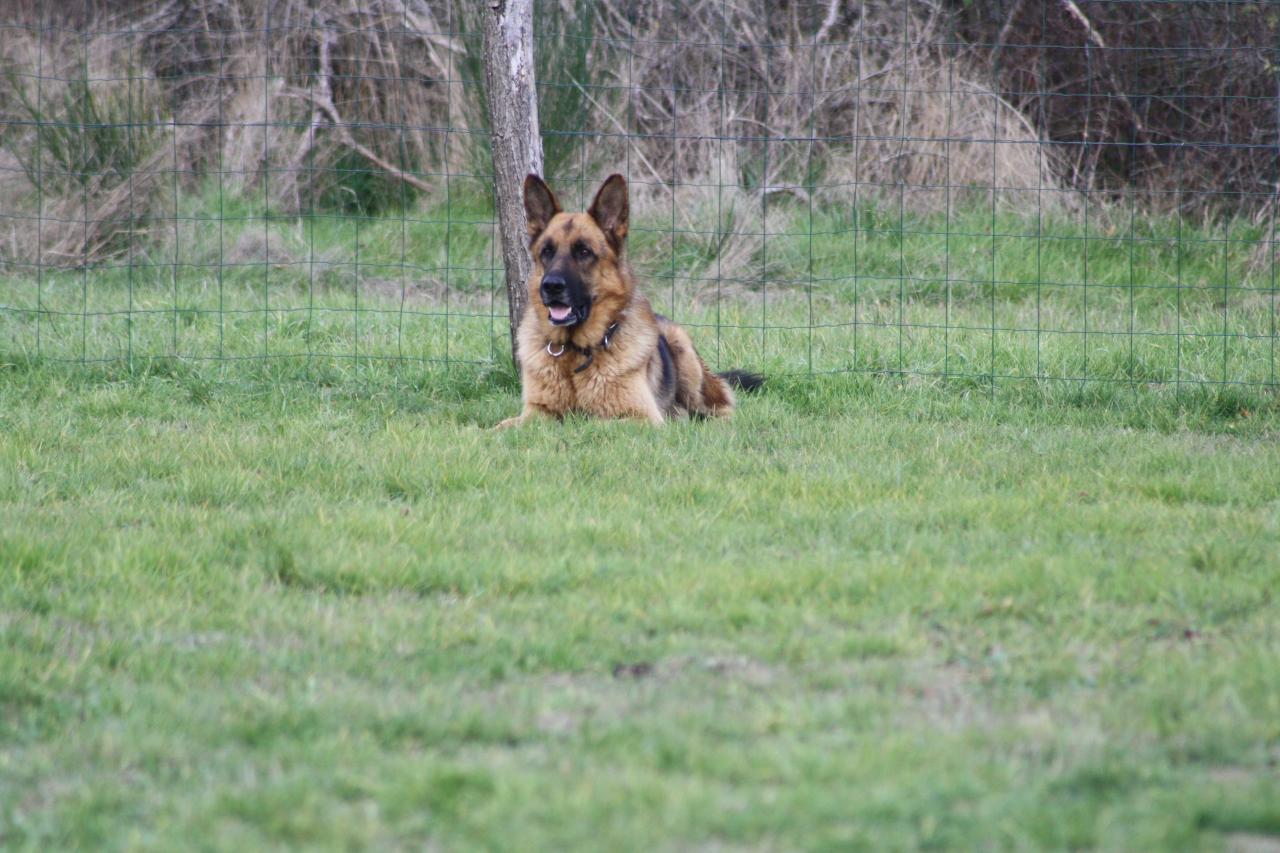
343 613
269 580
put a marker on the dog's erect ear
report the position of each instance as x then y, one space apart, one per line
610 210
539 205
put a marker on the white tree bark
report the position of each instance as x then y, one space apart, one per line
513 130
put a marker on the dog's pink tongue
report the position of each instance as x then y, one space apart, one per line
559 312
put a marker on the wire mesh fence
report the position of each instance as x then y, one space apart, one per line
1024 190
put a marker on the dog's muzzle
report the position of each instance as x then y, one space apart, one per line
566 304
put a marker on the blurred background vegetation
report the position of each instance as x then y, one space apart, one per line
113 111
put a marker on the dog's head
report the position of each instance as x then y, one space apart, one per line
576 256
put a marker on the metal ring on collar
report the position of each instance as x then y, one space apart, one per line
608 335
554 354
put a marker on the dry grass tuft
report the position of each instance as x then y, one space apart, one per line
91 150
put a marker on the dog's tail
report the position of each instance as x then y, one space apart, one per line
743 380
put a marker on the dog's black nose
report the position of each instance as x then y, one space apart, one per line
553 286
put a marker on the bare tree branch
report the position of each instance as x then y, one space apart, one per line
322 101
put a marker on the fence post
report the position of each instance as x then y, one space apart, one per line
513 132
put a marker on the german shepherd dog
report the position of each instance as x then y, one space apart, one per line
588 341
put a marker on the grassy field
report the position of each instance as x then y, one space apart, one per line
1098 295
859 615
316 602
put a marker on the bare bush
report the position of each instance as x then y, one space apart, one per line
339 104
829 98
294 89
1176 103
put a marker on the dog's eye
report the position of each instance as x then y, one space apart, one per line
548 251
582 253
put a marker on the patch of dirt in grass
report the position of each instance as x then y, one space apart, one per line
558 722
1227 775
744 669
413 290
44 795
432 294
1252 842
945 697
950 698
255 246
567 700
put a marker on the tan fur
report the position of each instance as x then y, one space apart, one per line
625 378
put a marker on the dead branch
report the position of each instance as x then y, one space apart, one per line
322 101
1096 38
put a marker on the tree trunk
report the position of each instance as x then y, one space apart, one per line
513 131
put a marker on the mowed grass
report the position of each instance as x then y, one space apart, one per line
337 611
270 580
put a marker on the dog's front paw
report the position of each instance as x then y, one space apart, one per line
511 422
